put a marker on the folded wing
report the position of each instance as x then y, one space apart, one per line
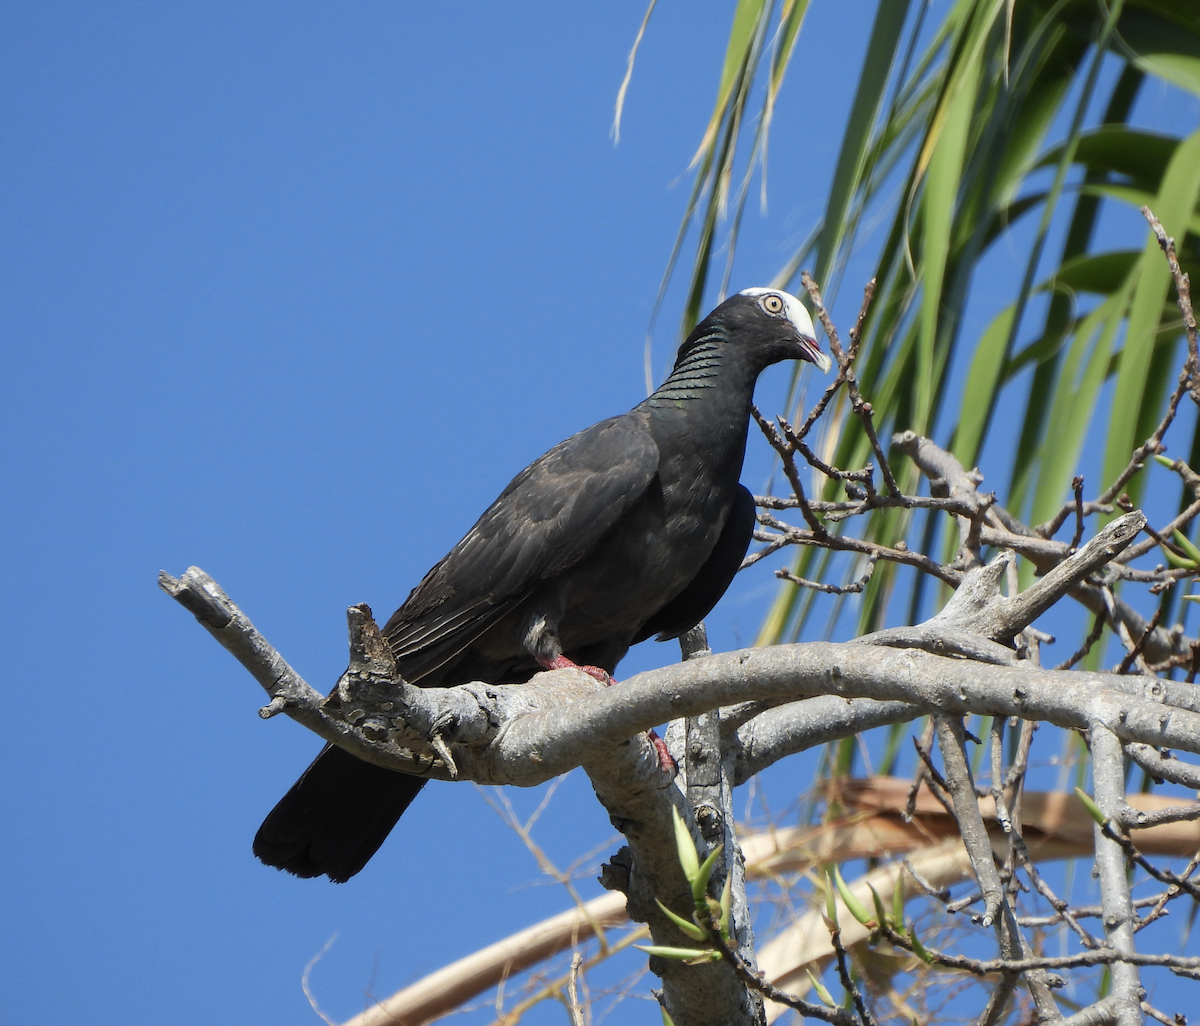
549 517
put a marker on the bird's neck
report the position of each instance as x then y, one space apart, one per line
710 372
716 385
695 376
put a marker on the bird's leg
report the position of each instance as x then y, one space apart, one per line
561 662
666 763
541 641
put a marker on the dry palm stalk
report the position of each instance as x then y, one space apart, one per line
1055 825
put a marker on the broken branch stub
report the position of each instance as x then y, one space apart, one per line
977 607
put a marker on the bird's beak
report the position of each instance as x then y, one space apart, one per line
812 352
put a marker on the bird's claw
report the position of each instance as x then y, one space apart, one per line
563 663
665 760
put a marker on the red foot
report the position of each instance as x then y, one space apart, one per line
562 662
667 764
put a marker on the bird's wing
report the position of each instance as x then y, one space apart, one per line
549 517
704 590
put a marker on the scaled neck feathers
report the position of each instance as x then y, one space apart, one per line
696 370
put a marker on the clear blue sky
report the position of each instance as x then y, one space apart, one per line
290 291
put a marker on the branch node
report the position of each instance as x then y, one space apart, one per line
274 708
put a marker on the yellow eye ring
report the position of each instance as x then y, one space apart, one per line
773 304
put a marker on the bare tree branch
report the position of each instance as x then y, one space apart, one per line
1108 773
1162 767
527 733
1183 296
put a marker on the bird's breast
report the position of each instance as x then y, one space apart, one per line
643 563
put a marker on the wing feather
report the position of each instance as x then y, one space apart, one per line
549 517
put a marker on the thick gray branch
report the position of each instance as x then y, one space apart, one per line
977 607
638 797
288 691
943 641
1045 555
710 783
527 733
797 726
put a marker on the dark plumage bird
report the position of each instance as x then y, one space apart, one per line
630 528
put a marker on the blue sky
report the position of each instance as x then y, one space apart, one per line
290 291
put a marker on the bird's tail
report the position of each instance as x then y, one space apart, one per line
335 816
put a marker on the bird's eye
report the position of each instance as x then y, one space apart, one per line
773 304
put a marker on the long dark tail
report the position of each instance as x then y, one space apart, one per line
335 816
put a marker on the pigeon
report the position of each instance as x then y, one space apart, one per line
631 528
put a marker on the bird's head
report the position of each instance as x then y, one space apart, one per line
770 324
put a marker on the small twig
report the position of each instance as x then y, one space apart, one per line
856 331
948 477
966 901
573 1006
843 361
1093 911
1128 661
837 1016
997 755
1151 447
1162 1017
866 413
1016 772
1051 526
835 344
922 746
865 475
845 543
1162 767
1122 630
1089 641
1061 907
819 408
853 588
1140 819
1189 476
848 984
802 447
774 542
1168 894
1180 523
780 445
862 409
844 510
942 894
936 782
1077 487
1101 956
1183 295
